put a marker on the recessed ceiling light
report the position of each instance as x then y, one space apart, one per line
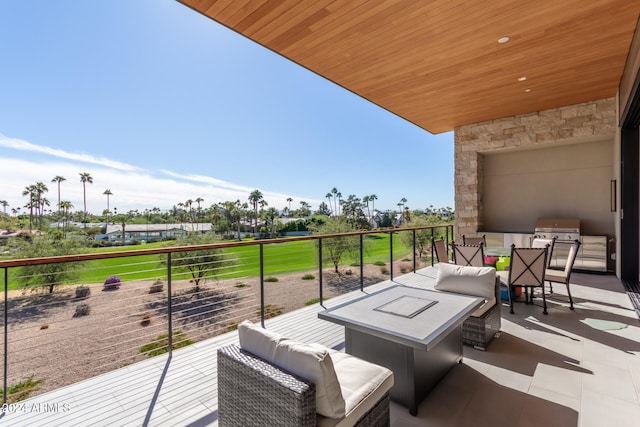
521 79
527 90
503 39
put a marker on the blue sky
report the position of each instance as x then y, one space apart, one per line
160 104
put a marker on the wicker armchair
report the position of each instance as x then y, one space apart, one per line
479 331
254 392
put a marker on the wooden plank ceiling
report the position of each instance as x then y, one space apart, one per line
438 63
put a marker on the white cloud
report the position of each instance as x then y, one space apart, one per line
19 144
131 190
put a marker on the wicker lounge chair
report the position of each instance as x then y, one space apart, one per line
479 331
253 391
483 325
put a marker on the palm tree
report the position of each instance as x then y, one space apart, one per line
366 200
4 204
107 193
40 201
402 202
373 198
334 193
30 191
289 200
198 201
271 214
188 205
328 196
65 206
58 179
84 178
254 197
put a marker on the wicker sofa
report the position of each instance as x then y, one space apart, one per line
254 391
483 325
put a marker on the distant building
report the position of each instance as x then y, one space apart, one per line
148 232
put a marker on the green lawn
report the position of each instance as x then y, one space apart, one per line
294 256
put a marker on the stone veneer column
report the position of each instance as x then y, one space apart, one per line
587 120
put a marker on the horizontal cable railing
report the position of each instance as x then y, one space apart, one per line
108 310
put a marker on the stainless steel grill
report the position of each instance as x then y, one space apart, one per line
563 229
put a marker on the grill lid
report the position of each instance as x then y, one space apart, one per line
561 228
567 225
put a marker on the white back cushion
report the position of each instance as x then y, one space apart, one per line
476 281
259 341
313 363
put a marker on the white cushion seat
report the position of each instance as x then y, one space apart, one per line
559 276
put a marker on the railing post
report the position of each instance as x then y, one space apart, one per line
432 251
169 306
320 270
262 284
361 263
6 334
414 250
391 255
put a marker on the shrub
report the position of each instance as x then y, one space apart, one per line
145 319
405 268
271 279
112 282
384 270
271 310
161 344
156 286
308 277
21 390
82 310
379 263
241 285
83 291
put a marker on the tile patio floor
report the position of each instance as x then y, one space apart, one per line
570 368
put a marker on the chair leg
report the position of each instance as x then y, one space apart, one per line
570 299
544 301
509 288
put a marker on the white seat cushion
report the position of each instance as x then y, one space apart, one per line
555 275
313 363
475 281
363 384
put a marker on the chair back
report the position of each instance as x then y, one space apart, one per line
441 250
571 259
527 266
468 255
541 243
474 241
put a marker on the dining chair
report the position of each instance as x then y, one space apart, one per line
442 253
541 243
474 240
468 255
527 269
563 276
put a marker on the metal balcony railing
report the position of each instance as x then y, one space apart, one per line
175 296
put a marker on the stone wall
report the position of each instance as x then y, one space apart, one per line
572 123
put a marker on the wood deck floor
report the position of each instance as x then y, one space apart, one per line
570 368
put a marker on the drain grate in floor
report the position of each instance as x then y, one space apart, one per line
633 291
